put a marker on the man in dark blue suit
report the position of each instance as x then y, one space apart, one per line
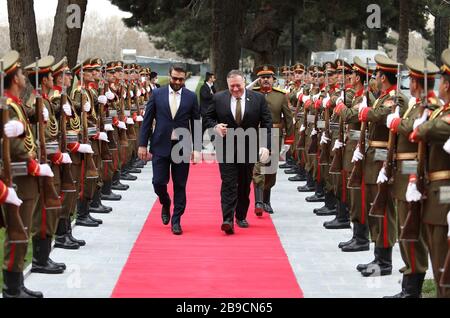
176 112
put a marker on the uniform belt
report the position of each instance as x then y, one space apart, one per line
439 175
278 126
406 156
378 144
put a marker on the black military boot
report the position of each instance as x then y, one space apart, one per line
310 184
361 242
362 267
330 207
288 165
342 220
13 287
319 195
107 194
267 204
60 265
293 170
411 286
62 239
41 253
34 294
132 169
83 214
384 265
259 201
69 234
343 244
125 174
96 205
116 185
138 163
301 175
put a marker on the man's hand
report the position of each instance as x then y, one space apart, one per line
418 122
144 154
12 198
302 128
196 157
357 155
338 145
324 140
67 110
13 129
391 117
66 159
221 129
382 176
264 155
412 193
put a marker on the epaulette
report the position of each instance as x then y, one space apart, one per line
56 94
433 101
392 93
280 90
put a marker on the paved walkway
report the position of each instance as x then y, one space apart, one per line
322 270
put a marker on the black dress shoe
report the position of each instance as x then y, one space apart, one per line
165 215
298 178
356 246
101 209
227 227
317 197
337 224
127 177
86 222
376 270
47 268
342 244
306 188
268 208
100 222
134 170
120 187
60 265
287 165
64 242
294 170
176 229
79 242
242 224
326 212
111 197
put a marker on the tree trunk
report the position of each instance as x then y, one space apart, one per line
359 41
66 38
372 40
441 34
348 39
226 48
22 30
403 40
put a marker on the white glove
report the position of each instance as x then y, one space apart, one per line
66 159
125 95
67 110
45 114
131 94
87 107
447 146
13 129
316 97
338 145
363 104
122 125
325 101
324 140
110 95
391 117
12 198
382 177
340 99
357 155
313 132
138 94
45 171
102 99
84 148
306 98
130 121
421 120
109 127
264 155
302 128
103 137
412 194
139 119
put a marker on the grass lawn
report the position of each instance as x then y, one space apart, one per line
429 289
163 80
199 86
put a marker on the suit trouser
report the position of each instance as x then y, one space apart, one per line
414 254
14 254
383 231
162 167
45 221
235 192
436 238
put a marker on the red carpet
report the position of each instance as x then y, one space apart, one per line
204 262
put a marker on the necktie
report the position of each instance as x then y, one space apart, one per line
238 112
173 105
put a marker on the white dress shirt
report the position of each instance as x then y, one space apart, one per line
178 96
210 85
233 105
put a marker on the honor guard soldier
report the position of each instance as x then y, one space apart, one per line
281 113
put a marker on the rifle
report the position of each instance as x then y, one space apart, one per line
131 132
378 208
302 139
356 177
412 228
314 147
88 161
104 148
49 196
445 276
67 180
17 233
123 138
325 152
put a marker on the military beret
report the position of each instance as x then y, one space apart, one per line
386 64
43 66
265 70
416 68
11 62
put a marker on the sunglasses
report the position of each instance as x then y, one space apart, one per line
178 79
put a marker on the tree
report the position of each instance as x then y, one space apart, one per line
403 42
22 30
66 37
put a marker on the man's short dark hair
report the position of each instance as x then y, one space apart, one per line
153 75
9 78
392 78
208 76
235 73
32 78
177 68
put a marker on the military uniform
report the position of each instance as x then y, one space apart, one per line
281 113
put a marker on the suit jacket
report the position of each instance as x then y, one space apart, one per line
257 115
158 109
206 98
